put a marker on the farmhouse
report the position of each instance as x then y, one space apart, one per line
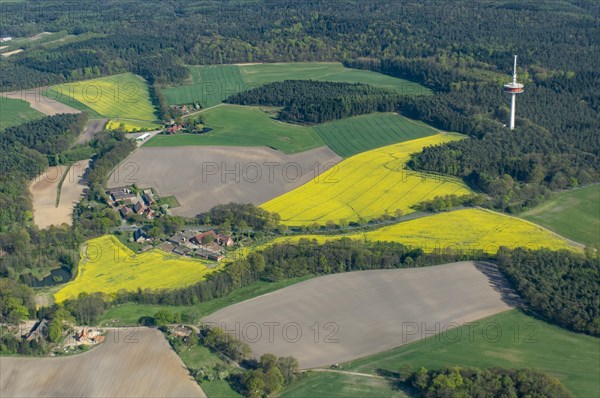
123 193
148 197
149 213
5 39
205 237
178 239
174 129
224 240
139 208
124 211
139 235
182 250
210 253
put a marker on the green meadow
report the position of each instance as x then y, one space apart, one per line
250 126
210 85
358 134
510 339
245 126
15 111
574 214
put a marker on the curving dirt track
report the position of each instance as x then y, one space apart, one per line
204 176
141 364
338 318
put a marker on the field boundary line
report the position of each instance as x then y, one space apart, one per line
60 184
346 372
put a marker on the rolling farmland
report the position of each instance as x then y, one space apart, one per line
125 95
245 126
259 74
44 193
362 313
524 342
358 134
16 111
201 177
467 229
574 214
250 126
212 84
129 363
108 266
366 186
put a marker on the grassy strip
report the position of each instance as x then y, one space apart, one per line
60 184
130 313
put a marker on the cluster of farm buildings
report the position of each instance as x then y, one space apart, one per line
206 244
127 202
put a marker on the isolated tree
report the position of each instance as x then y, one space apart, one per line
55 330
273 380
289 368
254 383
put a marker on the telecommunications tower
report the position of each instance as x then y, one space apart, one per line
513 88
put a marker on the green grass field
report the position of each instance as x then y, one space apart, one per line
200 357
119 96
510 339
245 126
249 126
257 75
574 214
212 84
14 112
339 385
358 134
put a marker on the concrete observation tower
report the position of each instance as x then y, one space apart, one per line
514 88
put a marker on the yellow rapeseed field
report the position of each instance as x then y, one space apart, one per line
125 95
366 186
131 125
108 266
467 230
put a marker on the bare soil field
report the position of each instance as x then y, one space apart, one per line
127 364
44 189
39 101
201 177
337 318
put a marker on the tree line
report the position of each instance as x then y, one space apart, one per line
494 382
312 101
562 287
